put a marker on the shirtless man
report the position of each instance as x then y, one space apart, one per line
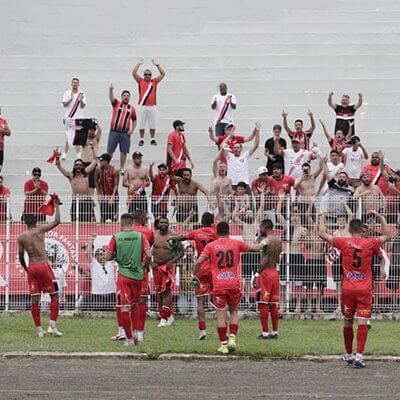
186 201
221 184
267 280
93 137
371 196
79 180
41 278
136 179
166 253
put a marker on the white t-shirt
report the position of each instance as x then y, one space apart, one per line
102 282
223 111
294 161
74 109
238 167
334 171
353 162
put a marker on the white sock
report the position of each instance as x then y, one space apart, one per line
265 334
359 356
203 332
52 324
39 328
121 330
274 332
140 335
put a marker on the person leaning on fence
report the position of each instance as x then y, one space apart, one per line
107 181
35 191
79 181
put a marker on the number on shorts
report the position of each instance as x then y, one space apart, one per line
225 260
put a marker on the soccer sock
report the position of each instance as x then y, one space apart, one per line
233 328
362 334
134 316
171 309
141 317
164 314
274 316
202 325
54 305
35 310
348 335
126 323
119 319
222 334
263 310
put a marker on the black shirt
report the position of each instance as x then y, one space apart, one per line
269 145
344 115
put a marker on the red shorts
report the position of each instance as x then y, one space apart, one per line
204 288
145 285
128 291
358 303
41 278
164 277
228 297
268 286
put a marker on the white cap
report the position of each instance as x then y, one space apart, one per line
262 170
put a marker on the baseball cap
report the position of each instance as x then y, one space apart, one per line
105 157
296 139
262 170
177 123
137 154
36 169
229 126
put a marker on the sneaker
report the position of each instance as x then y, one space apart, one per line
118 336
63 156
223 349
369 326
262 337
348 358
41 332
129 342
170 320
141 142
163 323
232 343
54 331
140 336
153 142
273 336
359 363
202 335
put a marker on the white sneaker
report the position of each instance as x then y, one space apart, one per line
140 336
54 331
170 320
202 335
63 156
41 332
129 342
163 323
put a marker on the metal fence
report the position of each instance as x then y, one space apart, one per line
310 270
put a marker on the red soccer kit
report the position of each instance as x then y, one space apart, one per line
357 279
178 141
41 278
224 257
147 92
268 285
201 238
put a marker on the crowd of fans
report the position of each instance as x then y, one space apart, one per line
296 183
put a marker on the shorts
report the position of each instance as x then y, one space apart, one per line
228 297
204 288
147 114
315 272
121 138
268 286
250 263
296 269
69 124
145 285
92 176
128 291
358 303
220 128
41 278
139 202
164 278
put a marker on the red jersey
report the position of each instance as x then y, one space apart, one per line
147 92
224 257
285 183
3 123
122 116
177 140
304 137
202 237
376 176
230 143
339 147
106 181
357 255
146 231
160 190
35 200
4 191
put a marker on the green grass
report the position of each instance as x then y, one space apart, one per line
90 334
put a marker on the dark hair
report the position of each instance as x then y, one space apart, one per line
186 170
82 170
355 226
139 216
30 219
277 166
334 151
1 177
242 185
125 91
162 165
277 126
127 219
346 95
267 224
158 220
75 79
299 120
306 164
207 219
223 228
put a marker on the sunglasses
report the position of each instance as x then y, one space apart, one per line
37 174
147 74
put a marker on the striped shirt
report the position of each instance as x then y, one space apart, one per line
122 116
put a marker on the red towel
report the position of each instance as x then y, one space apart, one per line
48 207
54 156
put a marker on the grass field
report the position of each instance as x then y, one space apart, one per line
297 338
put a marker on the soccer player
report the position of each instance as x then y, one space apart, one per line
131 251
166 252
357 275
223 255
41 277
267 280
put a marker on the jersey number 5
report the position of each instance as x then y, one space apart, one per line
225 260
356 259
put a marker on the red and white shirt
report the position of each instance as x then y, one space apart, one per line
177 140
74 109
122 117
147 92
223 111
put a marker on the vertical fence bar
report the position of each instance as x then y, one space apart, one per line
288 288
8 255
76 261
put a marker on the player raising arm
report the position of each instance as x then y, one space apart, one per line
357 276
224 257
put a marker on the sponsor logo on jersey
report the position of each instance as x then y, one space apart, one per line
356 275
225 275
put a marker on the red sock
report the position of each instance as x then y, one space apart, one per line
202 325
233 329
134 316
159 303
348 335
126 323
263 310
164 314
222 334
171 309
141 317
273 308
119 318
362 334
35 310
54 304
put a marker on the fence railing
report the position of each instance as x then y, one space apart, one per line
310 270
